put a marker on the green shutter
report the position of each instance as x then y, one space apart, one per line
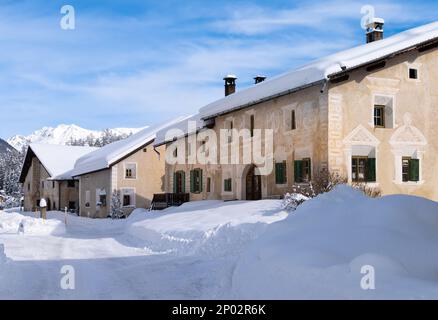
298 171
192 181
414 170
310 169
284 172
200 180
280 173
277 173
371 170
183 182
174 182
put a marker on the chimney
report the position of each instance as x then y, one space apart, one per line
259 79
375 30
230 84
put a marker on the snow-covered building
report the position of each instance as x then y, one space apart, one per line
368 113
132 169
46 173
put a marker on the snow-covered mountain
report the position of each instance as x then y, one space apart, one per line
63 134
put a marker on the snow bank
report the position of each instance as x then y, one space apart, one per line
13 222
320 250
207 227
2 254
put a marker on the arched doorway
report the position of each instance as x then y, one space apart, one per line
253 185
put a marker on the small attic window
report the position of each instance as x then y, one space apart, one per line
145 150
413 73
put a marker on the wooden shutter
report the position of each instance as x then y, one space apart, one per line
371 170
183 182
280 173
192 181
200 180
414 170
310 169
278 167
174 182
298 171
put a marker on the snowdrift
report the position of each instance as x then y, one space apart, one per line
13 222
2 254
320 250
204 227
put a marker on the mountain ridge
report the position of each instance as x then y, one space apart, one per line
63 134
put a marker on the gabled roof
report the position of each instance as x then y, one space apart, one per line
58 160
182 126
111 154
322 69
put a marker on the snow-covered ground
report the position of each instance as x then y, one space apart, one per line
220 250
180 253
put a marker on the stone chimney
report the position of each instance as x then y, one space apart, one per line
230 84
259 79
375 30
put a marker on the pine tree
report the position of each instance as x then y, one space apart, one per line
116 211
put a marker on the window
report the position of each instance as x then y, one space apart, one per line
175 153
252 124
71 183
227 185
196 181
230 130
53 184
410 169
145 150
208 184
42 184
379 116
130 171
28 187
102 199
87 198
71 205
293 124
363 169
303 170
280 173
126 200
413 73
128 197
203 146
179 182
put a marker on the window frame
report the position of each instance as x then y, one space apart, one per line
415 70
293 120
281 168
228 185
196 180
382 116
125 171
358 158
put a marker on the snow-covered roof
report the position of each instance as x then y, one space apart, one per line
59 160
182 126
322 69
110 154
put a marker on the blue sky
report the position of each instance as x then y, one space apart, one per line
132 63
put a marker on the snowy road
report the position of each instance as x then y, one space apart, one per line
171 258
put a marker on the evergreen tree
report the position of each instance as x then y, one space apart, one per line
116 211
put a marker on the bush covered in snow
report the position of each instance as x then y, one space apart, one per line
321 183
